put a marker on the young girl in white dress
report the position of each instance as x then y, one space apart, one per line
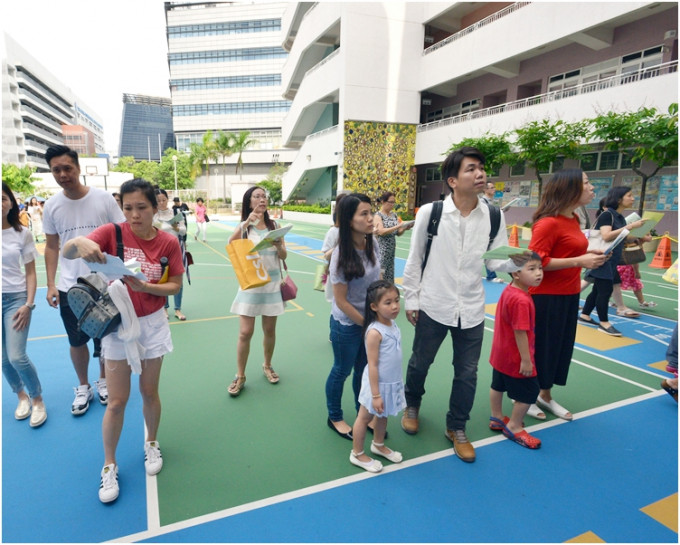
382 386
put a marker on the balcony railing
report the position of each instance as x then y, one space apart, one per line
476 26
322 62
582 89
320 133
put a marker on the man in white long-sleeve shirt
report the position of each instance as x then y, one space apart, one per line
450 296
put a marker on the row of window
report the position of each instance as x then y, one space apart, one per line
262 139
218 29
227 55
262 80
231 108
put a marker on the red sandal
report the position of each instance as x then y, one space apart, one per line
523 438
496 424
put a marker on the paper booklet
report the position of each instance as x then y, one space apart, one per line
653 218
177 219
270 237
114 268
407 223
504 252
618 240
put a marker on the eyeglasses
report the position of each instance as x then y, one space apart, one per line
391 202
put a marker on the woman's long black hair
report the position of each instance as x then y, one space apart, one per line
350 261
246 209
13 214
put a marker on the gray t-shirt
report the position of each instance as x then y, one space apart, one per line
356 288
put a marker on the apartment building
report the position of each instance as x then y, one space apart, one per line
35 106
381 90
225 61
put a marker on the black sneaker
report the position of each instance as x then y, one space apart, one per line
611 330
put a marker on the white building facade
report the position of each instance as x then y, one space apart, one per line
34 106
225 61
362 76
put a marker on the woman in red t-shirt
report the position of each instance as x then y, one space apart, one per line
557 238
148 246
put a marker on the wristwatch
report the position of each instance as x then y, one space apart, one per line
31 307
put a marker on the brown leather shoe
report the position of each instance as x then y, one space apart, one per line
409 421
461 445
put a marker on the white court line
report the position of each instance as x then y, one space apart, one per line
153 516
583 364
259 504
651 337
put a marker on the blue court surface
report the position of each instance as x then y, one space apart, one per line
611 475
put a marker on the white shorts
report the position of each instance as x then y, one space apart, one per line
154 336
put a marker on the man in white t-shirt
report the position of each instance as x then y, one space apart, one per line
77 210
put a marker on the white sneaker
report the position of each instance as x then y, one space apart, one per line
108 488
497 280
81 403
153 460
102 390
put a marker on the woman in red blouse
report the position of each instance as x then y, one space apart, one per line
557 238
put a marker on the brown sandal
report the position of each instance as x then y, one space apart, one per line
236 386
270 374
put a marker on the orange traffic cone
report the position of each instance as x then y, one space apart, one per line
662 258
514 238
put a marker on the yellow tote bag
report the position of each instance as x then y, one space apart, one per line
671 275
249 268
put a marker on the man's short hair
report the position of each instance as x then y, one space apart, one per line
58 151
451 165
176 199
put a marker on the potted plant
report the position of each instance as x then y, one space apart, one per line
651 246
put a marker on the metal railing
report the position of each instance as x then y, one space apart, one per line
320 133
582 89
476 26
322 62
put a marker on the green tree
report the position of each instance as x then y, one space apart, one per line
496 148
201 154
273 183
241 142
125 164
166 170
645 135
18 179
224 148
541 142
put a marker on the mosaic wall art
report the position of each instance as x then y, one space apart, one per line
378 157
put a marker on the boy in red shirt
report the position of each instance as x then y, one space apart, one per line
512 351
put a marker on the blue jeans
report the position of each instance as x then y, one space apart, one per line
467 346
178 299
349 352
16 367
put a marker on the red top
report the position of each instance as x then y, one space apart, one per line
148 253
558 237
515 312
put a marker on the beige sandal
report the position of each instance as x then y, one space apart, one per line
270 374
236 386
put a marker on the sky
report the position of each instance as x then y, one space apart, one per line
100 49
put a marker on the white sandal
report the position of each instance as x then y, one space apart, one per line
555 408
372 466
393 456
535 412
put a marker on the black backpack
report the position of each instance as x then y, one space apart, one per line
433 227
91 303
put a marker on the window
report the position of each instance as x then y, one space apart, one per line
227 108
637 65
609 160
518 169
433 174
217 29
558 164
626 160
496 171
589 161
226 55
259 80
454 110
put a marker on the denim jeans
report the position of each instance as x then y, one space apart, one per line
178 299
16 367
349 352
467 346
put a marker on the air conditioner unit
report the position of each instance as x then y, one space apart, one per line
427 102
429 39
670 34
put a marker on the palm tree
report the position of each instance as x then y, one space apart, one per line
224 148
200 155
240 144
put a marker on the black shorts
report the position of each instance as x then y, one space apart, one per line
524 390
75 336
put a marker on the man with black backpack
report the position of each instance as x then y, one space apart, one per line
443 289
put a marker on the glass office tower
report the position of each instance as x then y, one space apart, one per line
146 127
